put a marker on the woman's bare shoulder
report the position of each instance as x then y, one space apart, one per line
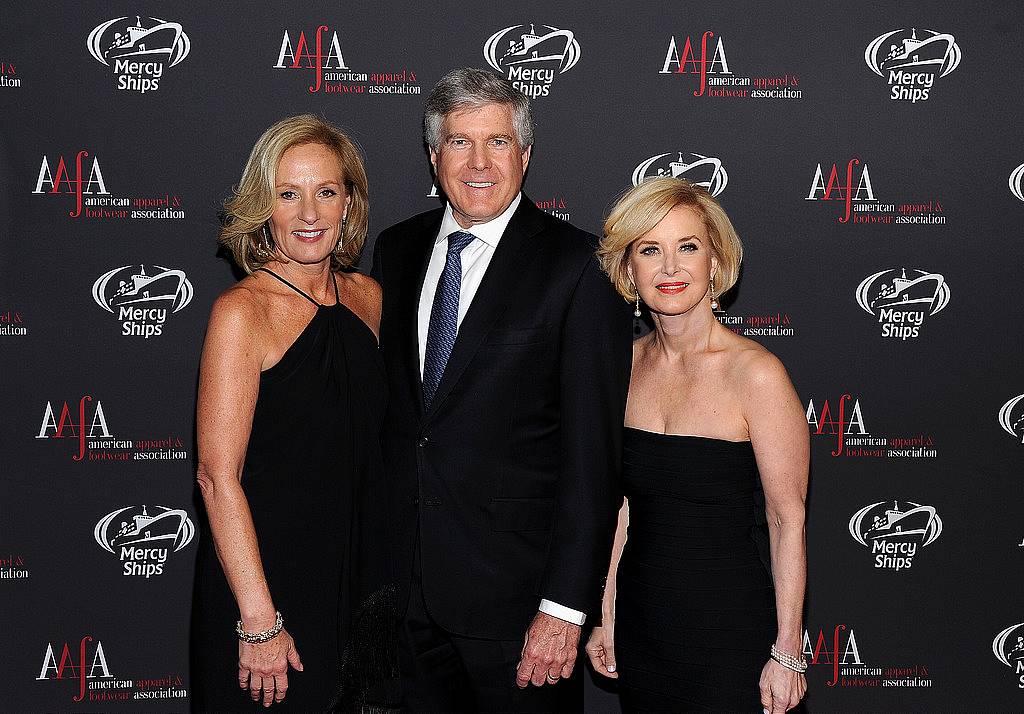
753 367
239 314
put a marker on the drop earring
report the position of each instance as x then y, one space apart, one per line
340 247
636 310
263 249
714 297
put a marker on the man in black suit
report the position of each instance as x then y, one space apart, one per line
508 356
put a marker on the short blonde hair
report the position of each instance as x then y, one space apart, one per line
252 204
642 207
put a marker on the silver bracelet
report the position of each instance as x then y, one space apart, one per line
256 638
797 664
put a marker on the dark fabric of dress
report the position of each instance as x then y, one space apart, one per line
312 477
695 603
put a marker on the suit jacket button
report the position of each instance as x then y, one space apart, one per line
422 442
416 501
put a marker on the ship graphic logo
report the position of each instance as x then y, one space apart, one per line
1008 646
517 46
1016 179
881 522
149 40
1011 417
136 527
903 289
701 170
913 50
128 287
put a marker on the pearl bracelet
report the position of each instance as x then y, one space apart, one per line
256 638
797 664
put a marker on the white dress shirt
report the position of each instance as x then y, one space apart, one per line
475 258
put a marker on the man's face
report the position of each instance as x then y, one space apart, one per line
478 162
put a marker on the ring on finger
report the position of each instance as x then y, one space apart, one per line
552 679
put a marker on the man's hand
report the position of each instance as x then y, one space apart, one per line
549 652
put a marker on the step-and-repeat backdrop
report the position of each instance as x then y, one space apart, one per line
870 156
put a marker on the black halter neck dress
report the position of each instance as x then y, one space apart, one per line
311 476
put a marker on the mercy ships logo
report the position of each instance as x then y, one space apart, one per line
140 300
911 60
901 301
143 541
894 534
1008 648
138 53
532 59
706 171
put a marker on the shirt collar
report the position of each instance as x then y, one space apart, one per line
490 232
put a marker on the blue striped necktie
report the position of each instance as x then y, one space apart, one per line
444 316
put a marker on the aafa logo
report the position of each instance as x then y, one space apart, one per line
701 170
65 426
842 421
1016 177
322 54
299 56
835 421
912 62
532 60
838 650
67 668
706 62
63 181
1011 417
893 534
840 186
140 300
901 301
138 53
686 62
143 541
1008 648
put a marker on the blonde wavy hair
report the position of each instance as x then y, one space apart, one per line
642 207
249 209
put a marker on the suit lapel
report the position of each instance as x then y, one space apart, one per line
414 268
492 296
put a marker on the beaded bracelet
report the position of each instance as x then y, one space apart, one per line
797 664
256 638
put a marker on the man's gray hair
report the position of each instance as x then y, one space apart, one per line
469 88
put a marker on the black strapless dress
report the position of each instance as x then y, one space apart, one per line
312 474
695 603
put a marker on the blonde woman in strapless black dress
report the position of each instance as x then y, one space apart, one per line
715 466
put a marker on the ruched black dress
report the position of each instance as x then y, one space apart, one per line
312 473
695 603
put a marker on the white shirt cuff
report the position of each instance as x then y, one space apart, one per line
562 612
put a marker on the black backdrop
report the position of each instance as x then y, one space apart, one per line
899 324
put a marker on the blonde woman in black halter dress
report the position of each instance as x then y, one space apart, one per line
291 397
715 465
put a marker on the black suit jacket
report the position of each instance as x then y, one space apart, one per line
509 482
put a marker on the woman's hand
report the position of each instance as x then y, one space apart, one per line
601 649
263 668
781 688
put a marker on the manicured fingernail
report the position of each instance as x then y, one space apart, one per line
611 668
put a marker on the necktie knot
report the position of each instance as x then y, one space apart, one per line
457 242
